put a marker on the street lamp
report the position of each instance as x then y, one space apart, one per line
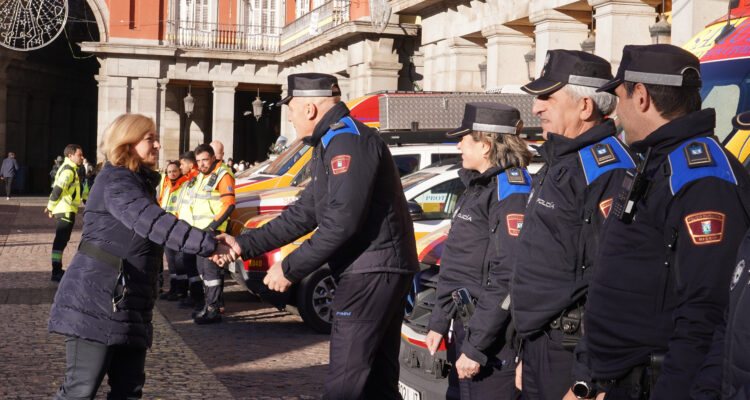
530 58
189 105
257 106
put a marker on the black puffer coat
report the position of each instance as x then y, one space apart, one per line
123 219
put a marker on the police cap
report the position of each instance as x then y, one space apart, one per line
488 117
741 121
311 85
655 64
573 67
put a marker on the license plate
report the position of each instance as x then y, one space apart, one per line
408 393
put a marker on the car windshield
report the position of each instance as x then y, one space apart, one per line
252 170
409 181
287 159
726 89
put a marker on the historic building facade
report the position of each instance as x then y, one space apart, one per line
152 54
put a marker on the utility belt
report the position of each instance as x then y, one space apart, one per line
639 381
570 322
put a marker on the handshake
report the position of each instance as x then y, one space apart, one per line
227 250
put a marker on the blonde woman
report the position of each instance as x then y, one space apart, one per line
476 254
105 300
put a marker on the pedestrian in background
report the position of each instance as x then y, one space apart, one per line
570 200
104 304
668 249
168 200
55 166
63 204
364 233
187 264
477 253
8 171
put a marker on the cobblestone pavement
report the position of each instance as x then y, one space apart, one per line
258 352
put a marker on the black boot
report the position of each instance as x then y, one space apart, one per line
209 315
172 290
57 272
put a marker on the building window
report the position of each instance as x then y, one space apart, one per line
303 7
260 16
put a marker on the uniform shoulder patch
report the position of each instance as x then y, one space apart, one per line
340 163
603 154
515 176
698 155
345 125
514 223
705 227
605 206
337 125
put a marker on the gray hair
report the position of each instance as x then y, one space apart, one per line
604 103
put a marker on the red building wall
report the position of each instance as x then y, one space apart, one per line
359 9
137 19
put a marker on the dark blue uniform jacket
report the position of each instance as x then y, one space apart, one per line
123 219
726 371
477 254
569 201
356 202
661 281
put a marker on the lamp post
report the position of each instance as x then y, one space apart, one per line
257 106
530 58
189 105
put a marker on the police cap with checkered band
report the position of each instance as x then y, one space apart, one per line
655 64
311 85
562 67
488 117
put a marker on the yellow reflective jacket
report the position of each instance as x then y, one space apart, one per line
67 180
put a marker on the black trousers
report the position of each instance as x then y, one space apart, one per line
547 367
88 362
213 281
8 185
368 310
63 229
495 381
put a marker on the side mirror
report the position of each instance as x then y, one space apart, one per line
415 211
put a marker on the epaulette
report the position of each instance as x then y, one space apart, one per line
513 180
602 157
698 158
345 125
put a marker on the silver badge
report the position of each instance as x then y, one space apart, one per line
737 273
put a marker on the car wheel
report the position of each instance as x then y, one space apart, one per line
315 298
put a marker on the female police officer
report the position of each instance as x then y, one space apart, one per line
475 258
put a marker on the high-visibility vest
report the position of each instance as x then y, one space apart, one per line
185 199
206 199
70 199
170 194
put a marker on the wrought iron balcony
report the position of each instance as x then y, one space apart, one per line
214 36
317 21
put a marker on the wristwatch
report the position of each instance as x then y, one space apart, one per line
582 390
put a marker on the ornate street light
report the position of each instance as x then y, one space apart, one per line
530 58
589 45
257 106
661 31
189 103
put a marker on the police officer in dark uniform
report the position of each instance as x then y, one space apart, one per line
668 249
364 233
570 200
475 268
725 373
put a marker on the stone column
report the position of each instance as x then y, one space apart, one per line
372 65
555 30
169 144
429 66
146 99
505 56
621 22
690 17
462 68
222 127
286 129
113 101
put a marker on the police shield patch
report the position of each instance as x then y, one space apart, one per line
340 164
605 206
515 223
705 227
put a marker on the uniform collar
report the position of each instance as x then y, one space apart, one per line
340 110
470 176
667 137
558 146
70 163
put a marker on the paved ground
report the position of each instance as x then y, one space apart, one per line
257 353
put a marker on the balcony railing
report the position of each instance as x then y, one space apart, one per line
317 21
213 36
